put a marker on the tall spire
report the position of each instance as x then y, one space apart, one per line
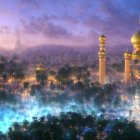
102 59
18 43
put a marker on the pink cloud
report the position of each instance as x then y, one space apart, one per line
43 26
6 12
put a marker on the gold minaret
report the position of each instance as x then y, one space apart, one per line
127 74
134 58
102 59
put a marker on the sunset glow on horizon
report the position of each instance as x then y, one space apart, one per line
67 23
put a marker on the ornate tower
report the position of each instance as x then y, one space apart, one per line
136 43
127 74
134 59
102 59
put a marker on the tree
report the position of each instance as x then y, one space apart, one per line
25 124
91 135
89 121
19 75
26 85
117 102
132 89
12 66
41 77
2 67
15 133
5 77
63 75
101 124
52 73
72 134
7 97
124 130
79 85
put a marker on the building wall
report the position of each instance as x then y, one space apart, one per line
102 69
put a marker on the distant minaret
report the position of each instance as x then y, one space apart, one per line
102 59
18 43
127 74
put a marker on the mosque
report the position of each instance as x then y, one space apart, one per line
132 61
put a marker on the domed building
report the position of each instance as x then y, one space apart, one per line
132 62
39 68
136 43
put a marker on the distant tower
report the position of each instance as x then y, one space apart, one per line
40 74
136 101
127 74
18 42
102 59
133 59
17 45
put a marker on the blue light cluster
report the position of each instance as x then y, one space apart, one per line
30 108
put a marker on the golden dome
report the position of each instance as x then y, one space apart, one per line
40 68
102 37
127 53
136 37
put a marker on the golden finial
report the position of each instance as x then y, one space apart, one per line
102 37
127 53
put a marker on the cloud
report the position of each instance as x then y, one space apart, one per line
5 30
117 22
6 13
28 7
29 4
77 22
70 19
43 26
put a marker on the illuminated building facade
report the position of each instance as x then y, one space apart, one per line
40 74
102 59
127 57
40 68
132 62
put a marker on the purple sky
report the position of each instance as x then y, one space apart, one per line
68 22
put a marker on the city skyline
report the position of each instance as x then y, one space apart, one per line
70 70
